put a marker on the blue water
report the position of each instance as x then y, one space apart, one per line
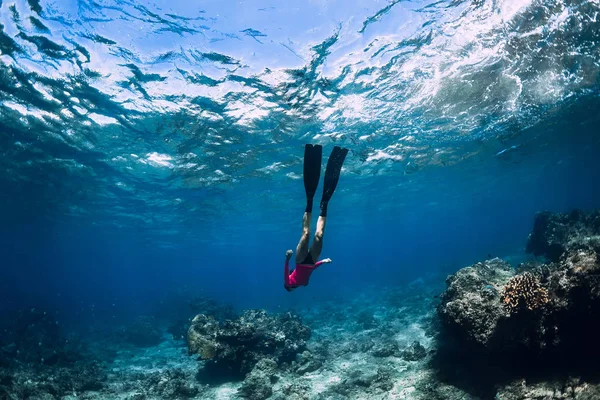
153 151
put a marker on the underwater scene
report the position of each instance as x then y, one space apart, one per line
311 199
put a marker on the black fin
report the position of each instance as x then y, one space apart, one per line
312 169
332 172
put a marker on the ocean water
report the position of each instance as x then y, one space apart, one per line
151 152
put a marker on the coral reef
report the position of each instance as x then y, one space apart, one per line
169 384
35 336
414 352
539 319
336 363
370 381
233 348
258 384
571 388
23 382
524 292
554 234
200 305
471 306
307 362
495 332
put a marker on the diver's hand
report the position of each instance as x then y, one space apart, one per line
288 254
327 260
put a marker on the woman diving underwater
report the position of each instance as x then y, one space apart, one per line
305 256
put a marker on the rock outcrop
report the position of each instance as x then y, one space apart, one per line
234 348
547 315
554 234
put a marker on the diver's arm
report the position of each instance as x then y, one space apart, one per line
324 261
286 269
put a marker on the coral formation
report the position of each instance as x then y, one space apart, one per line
258 384
385 349
170 384
524 292
35 336
178 327
233 348
307 362
373 381
51 382
541 318
554 234
471 305
494 326
415 352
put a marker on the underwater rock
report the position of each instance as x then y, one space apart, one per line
471 306
234 348
258 384
307 362
572 388
358 346
414 352
544 317
201 305
167 383
170 384
366 319
385 349
35 336
554 233
137 396
370 381
294 391
82 378
202 337
51 381
142 332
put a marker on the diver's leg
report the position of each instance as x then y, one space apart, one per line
312 173
332 176
317 246
302 248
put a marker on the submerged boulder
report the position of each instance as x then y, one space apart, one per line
554 234
221 312
307 362
546 315
415 352
258 384
364 382
234 348
471 306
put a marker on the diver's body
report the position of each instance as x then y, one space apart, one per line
305 256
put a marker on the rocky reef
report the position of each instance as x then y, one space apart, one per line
537 319
39 360
35 336
554 234
234 348
221 312
495 332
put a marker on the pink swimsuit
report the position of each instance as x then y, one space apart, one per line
299 276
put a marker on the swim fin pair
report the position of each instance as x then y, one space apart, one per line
312 174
